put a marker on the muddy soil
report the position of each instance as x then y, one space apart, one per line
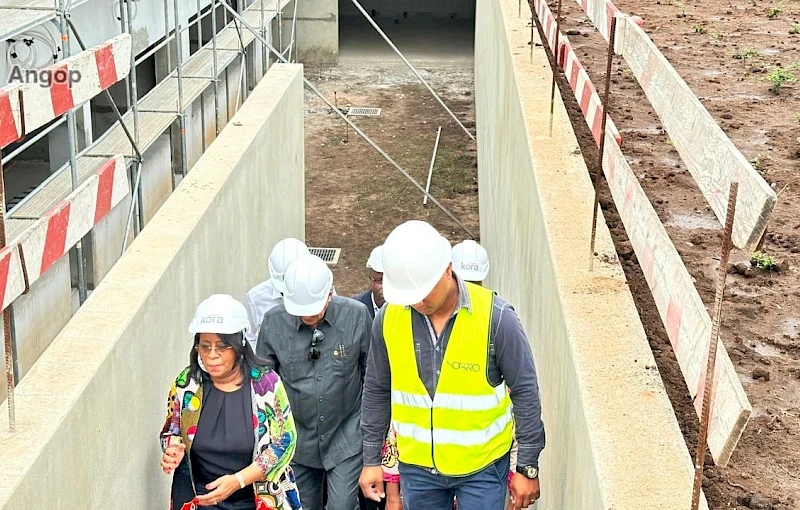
725 50
354 197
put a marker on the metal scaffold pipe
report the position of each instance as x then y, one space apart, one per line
413 70
202 100
73 149
350 123
214 63
179 71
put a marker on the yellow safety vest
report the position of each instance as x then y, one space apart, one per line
468 423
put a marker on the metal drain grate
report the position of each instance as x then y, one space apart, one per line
363 112
329 255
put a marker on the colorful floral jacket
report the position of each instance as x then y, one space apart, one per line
273 429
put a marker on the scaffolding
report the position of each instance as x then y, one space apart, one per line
147 117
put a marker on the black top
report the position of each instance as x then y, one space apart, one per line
366 298
224 443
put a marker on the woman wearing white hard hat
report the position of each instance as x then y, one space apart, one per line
229 434
470 261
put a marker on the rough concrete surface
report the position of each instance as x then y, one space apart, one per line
89 411
317 31
613 440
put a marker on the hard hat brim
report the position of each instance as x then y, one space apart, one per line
472 276
408 297
279 285
304 310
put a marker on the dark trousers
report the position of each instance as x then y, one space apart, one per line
368 504
334 489
425 489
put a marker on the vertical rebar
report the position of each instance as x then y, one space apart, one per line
214 63
700 457
433 161
134 87
7 345
556 65
166 36
601 150
294 29
72 133
179 72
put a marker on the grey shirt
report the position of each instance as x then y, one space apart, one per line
509 359
325 394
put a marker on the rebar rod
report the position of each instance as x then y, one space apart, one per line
363 135
555 66
705 412
433 161
601 151
264 52
413 69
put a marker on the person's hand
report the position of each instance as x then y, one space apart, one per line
523 491
221 489
371 483
393 501
173 456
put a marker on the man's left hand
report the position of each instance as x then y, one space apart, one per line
523 492
221 489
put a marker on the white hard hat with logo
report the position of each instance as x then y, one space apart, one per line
220 313
470 261
308 283
283 254
415 256
375 261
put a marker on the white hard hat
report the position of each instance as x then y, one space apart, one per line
220 313
470 261
375 261
308 283
415 256
283 254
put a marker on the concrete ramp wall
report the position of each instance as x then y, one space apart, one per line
90 409
612 438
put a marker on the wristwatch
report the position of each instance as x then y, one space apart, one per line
529 472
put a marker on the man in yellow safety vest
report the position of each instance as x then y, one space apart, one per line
444 354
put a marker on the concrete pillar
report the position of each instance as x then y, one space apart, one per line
161 57
104 243
317 30
85 132
156 176
41 314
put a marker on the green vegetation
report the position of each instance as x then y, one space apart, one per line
718 36
780 75
775 10
756 162
795 28
763 261
699 29
744 57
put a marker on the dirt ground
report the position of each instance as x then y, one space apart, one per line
724 49
354 197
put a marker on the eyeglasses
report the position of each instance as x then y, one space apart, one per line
316 338
377 279
206 349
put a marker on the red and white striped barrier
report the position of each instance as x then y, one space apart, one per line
601 12
585 92
683 313
50 92
50 237
709 154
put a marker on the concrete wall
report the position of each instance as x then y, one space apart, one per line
156 175
89 411
317 30
612 437
456 9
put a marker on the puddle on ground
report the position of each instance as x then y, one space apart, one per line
767 350
693 222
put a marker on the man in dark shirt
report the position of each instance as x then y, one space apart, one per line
318 344
428 303
373 297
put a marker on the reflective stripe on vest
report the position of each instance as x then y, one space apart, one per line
468 424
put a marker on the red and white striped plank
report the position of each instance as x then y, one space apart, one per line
600 12
98 68
12 281
585 92
683 313
62 227
710 156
